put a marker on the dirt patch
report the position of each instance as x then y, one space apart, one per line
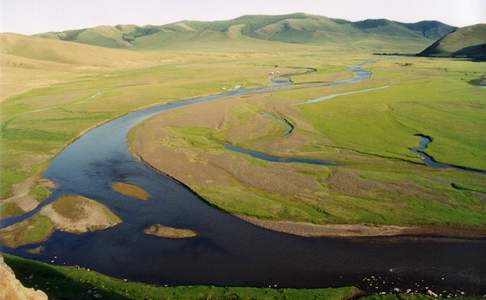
76 214
130 190
169 232
358 230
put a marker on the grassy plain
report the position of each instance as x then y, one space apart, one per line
368 133
379 180
38 123
56 90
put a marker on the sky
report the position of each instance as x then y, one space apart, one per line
35 16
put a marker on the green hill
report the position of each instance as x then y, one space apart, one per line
468 42
292 28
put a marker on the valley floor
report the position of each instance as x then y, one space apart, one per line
372 183
368 129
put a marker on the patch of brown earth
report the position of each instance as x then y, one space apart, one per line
12 289
169 232
130 190
77 214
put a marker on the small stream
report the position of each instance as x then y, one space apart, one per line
425 140
280 159
288 125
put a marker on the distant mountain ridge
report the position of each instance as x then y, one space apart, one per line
465 42
291 28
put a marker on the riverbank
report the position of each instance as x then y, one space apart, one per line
73 283
306 229
359 230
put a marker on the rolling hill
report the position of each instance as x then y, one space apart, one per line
292 28
467 42
32 61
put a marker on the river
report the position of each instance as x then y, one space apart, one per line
227 250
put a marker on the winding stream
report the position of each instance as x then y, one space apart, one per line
280 159
425 140
288 125
227 250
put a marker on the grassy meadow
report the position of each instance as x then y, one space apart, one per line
38 123
56 90
379 180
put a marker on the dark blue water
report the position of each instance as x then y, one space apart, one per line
227 250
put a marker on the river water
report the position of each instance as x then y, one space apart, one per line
227 250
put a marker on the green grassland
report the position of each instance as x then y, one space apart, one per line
71 283
370 134
37 124
58 90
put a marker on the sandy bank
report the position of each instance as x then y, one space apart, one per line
359 230
130 190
